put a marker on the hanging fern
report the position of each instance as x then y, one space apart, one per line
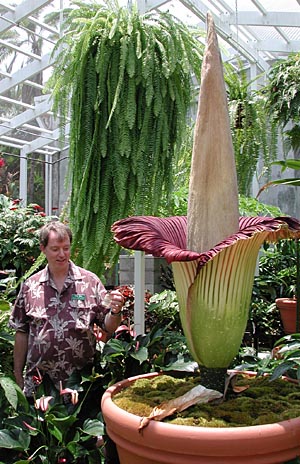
283 98
129 78
254 134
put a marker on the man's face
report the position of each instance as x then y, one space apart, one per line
57 252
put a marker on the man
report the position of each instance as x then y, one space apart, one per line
55 312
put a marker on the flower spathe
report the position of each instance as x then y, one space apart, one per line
43 403
214 287
69 391
213 252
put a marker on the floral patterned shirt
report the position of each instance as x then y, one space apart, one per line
59 324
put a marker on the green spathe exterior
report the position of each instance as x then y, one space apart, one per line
213 252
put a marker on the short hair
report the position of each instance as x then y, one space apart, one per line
61 229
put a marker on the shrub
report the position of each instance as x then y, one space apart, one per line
19 242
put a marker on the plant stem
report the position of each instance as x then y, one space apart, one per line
213 378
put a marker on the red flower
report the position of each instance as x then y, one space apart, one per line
37 207
29 426
37 379
2 163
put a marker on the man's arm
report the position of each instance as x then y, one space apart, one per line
112 322
114 316
20 353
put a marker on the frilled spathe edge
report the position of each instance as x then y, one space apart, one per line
167 237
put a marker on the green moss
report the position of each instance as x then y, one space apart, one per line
263 402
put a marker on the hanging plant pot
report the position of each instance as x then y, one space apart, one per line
288 313
165 443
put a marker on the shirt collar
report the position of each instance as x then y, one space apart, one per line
74 273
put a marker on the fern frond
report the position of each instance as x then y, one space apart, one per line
129 78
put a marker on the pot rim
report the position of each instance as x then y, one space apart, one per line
253 429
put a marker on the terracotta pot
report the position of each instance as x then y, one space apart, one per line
175 444
288 313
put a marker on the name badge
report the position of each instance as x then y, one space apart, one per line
77 297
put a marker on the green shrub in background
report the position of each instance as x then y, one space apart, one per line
6 341
277 271
276 279
19 241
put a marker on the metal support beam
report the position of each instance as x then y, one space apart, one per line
146 5
253 18
23 10
23 180
48 185
139 290
44 140
26 72
26 116
277 45
20 50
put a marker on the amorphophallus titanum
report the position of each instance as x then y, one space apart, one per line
213 252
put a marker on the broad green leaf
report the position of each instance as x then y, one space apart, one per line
58 426
281 369
289 163
10 389
93 427
22 461
14 439
141 355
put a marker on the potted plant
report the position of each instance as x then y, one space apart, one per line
289 307
213 254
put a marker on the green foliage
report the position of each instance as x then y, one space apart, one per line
161 309
50 430
129 76
276 279
165 308
19 242
277 270
6 340
175 203
284 359
283 96
161 349
283 90
249 206
253 133
291 181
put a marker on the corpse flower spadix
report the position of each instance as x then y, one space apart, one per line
213 252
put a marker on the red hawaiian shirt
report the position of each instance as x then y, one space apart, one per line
59 325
